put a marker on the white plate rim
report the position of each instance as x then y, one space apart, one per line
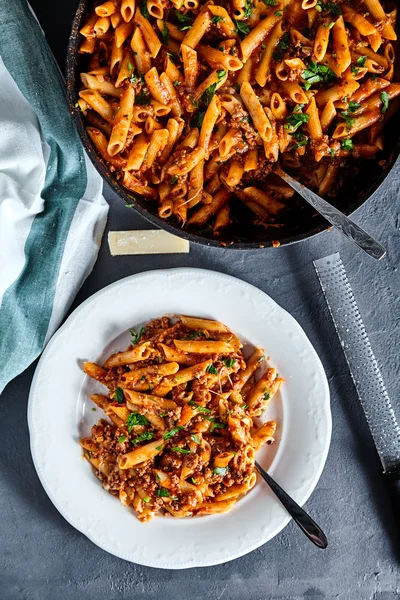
325 412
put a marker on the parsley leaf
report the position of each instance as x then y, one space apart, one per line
146 499
282 46
348 120
199 408
165 33
385 102
347 144
122 438
301 139
136 336
269 2
296 119
278 13
316 73
172 432
173 179
361 60
267 394
261 359
328 6
159 447
196 121
143 9
181 450
216 425
229 362
177 83
136 418
142 99
211 369
242 29
353 106
164 493
147 435
210 91
220 471
195 439
164 414
119 395
193 335
216 19
247 9
185 21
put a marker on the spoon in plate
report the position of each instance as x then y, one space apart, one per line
303 520
351 230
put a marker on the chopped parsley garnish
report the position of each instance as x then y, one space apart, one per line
163 493
93 409
181 450
121 438
316 73
159 447
278 13
136 336
237 87
144 437
193 335
385 102
210 91
361 60
173 179
185 21
328 6
165 34
353 106
229 362
143 9
329 25
172 432
244 405
301 139
129 205
296 119
130 66
261 359
348 120
282 46
347 144
119 395
193 481
247 9
242 29
211 369
142 99
197 121
164 414
133 78
177 83
220 471
267 394
269 2
217 425
194 102
195 439
136 418
146 499
216 19
199 408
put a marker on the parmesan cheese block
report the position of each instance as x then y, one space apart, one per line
147 241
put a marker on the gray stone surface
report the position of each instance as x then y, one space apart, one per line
42 556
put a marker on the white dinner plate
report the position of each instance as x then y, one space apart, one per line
60 412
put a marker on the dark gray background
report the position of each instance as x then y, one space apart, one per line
42 556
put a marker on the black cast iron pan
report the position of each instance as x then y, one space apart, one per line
301 223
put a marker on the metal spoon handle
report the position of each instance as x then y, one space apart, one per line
303 520
350 229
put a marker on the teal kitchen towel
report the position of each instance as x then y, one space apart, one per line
52 213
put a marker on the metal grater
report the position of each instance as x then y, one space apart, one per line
361 360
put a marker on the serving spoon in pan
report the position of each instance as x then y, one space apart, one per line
299 516
351 230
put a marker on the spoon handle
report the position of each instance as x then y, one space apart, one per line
350 229
303 520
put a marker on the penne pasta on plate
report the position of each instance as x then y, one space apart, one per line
181 418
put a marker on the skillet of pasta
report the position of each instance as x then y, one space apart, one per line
182 431
192 105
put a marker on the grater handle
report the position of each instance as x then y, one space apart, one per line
392 483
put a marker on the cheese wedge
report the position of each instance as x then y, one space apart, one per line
148 241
